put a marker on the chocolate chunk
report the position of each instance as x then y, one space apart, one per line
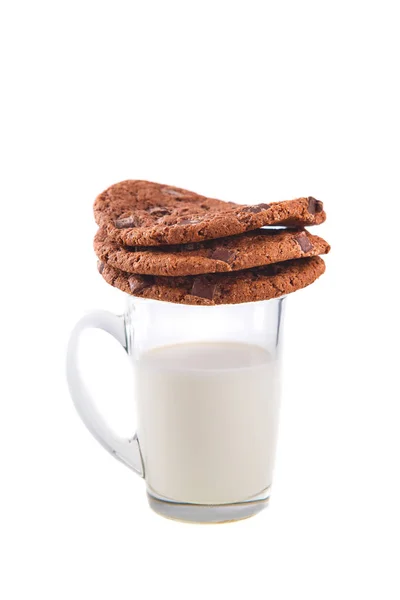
314 206
125 223
257 208
303 242
203 288
273 269
100 266
138 283
223 254
158 211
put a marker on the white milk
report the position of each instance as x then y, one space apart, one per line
208 417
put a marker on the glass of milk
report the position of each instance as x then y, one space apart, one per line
207 394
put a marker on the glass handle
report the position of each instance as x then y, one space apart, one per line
125 450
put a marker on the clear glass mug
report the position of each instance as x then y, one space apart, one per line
207 395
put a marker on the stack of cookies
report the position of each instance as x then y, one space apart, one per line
165 243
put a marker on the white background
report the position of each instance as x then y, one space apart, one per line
244 101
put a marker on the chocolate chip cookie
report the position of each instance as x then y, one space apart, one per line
141 213
244 251
251 285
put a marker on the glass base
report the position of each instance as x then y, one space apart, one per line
209 513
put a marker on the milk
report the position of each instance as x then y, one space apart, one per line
208 415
